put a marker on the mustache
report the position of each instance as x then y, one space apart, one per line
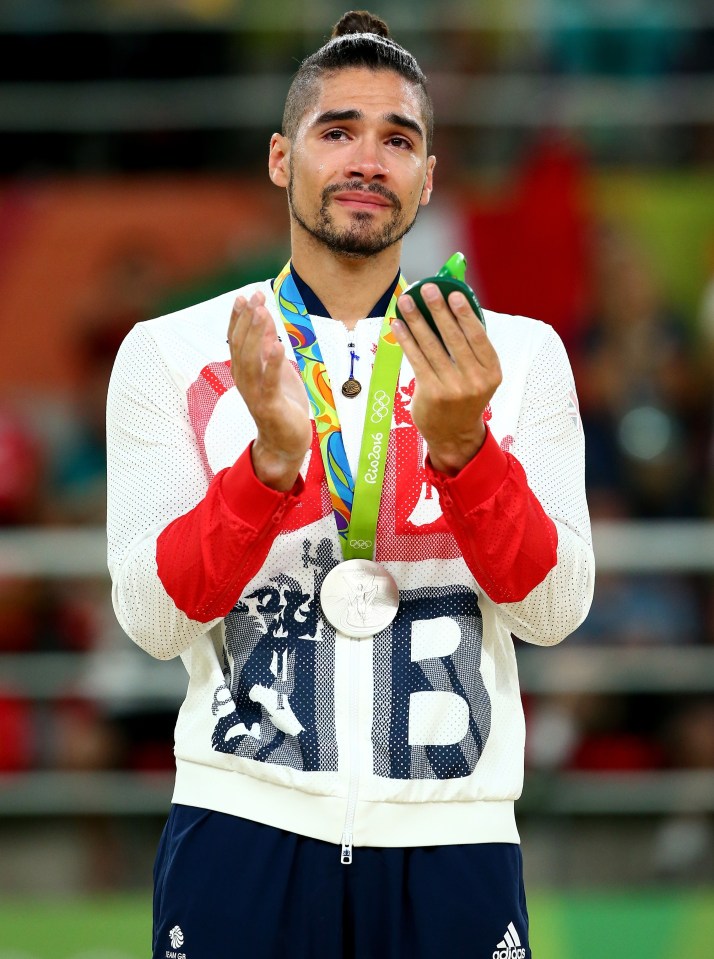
356 186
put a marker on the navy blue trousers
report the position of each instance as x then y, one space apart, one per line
228 888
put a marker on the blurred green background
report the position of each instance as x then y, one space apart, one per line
618 924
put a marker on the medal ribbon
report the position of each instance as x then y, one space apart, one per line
355 503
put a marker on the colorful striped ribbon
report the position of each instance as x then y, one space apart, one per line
355 505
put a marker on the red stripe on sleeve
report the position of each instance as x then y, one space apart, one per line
205 557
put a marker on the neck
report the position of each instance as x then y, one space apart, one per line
347 286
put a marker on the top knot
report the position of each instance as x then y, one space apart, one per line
359 21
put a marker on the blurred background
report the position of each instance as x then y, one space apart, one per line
575 145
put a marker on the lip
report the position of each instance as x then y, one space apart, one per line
362 200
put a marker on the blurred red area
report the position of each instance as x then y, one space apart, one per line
16 751
532 243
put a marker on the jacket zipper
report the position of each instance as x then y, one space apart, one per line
353 788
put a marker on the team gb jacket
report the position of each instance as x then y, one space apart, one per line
414 736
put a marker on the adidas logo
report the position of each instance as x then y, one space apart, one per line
510 946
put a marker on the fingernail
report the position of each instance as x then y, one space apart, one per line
406 304
430 292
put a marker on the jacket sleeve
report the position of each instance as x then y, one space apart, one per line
520 517
181 545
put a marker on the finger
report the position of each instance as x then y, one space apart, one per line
417 325
479 358
237 312
434 350
242 317
451 334
474 335
259 335
248 360
272 369
412 349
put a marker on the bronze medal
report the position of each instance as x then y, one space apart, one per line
351 387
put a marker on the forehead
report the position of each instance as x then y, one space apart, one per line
374 93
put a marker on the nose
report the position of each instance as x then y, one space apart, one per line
366 162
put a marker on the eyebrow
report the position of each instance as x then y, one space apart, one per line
396 119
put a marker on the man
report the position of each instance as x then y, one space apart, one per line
351 743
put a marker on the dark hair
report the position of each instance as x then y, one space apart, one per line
359 39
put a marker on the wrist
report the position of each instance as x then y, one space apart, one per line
275 468
451 458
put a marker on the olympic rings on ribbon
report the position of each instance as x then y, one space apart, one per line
380 406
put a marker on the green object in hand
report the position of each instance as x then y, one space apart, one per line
451 277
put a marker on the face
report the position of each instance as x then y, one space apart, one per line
357 170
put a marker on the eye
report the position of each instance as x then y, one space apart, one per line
335 135
400 142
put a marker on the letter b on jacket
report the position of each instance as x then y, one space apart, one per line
432 714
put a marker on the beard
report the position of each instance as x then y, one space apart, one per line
360 239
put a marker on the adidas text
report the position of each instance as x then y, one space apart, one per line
510 952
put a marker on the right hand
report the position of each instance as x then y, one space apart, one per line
272 390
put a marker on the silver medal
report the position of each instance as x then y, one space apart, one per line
359 598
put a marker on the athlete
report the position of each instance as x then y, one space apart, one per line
338 522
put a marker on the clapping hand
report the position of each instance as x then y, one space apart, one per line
272 390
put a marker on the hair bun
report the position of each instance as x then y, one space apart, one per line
359 21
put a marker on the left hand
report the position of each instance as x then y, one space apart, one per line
452 388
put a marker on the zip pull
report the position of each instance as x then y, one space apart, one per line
346 853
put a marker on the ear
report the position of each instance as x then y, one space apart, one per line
279 159
428 181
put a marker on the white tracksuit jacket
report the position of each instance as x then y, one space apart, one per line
412 737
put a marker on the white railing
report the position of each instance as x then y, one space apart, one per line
680 546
